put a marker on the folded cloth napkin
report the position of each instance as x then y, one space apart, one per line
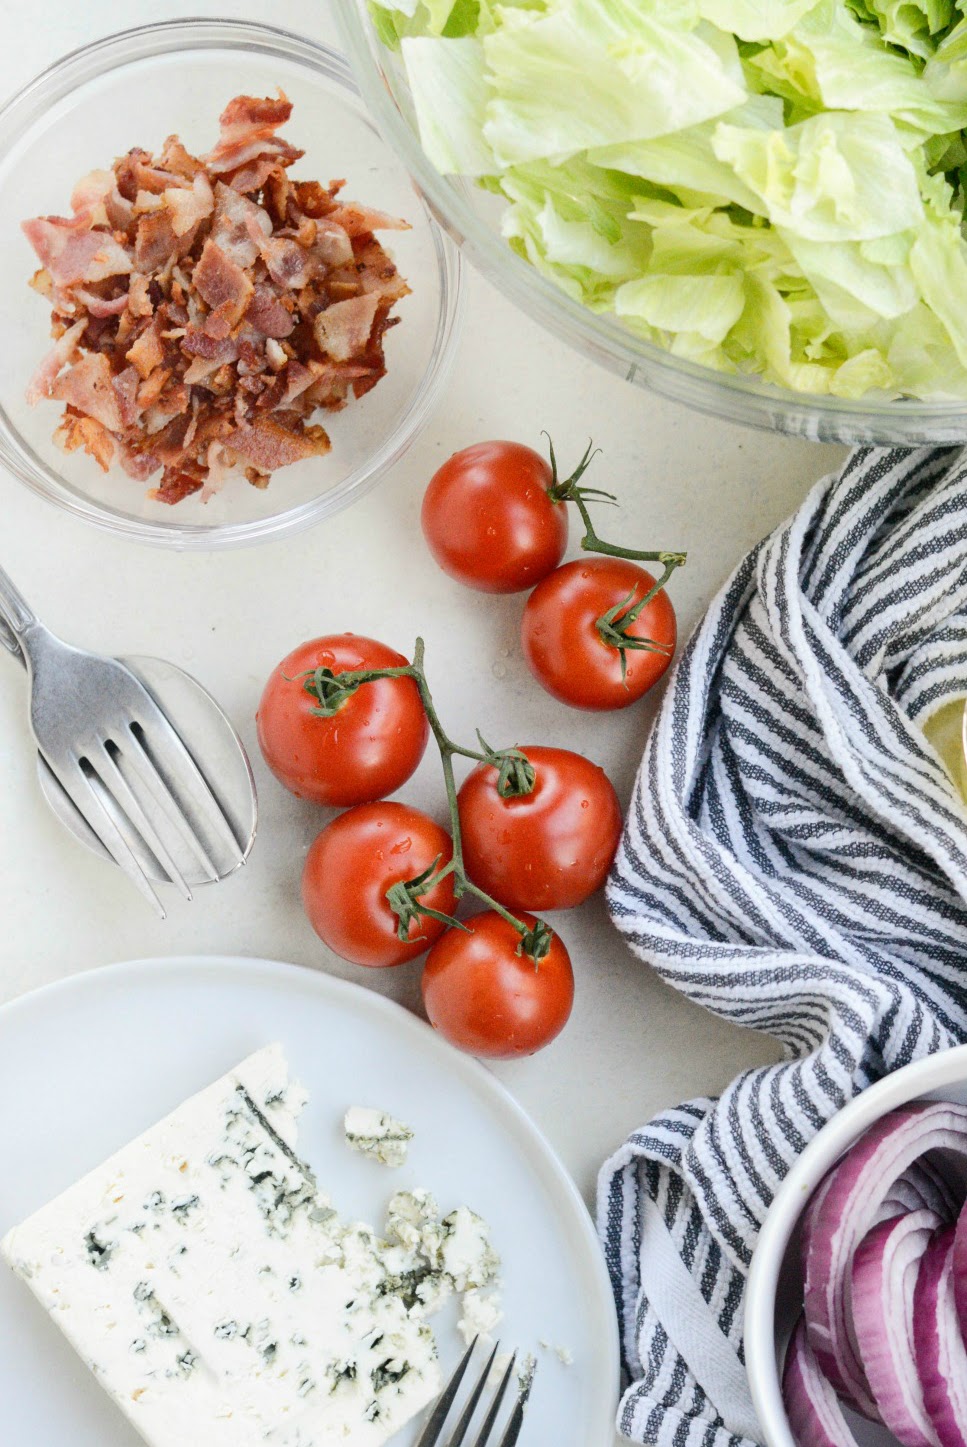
795 859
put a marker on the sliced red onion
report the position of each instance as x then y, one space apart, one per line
843 1213
922 1186
883 1280
815 1415
960 1271
941 1355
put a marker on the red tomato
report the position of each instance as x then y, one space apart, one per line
488 999
549 849
489 521
367 749
564 645
353 863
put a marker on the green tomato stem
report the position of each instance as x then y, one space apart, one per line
405 899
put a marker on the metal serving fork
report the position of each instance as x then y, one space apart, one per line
115 754
434 1434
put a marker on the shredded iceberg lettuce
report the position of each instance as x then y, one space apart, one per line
773 187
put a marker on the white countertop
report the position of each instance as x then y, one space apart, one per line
633 1045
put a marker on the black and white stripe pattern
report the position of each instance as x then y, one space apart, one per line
795 859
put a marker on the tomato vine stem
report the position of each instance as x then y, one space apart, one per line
515 777
570 490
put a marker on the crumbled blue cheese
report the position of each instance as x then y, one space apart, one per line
480 1315
564 1354
372 1133
221 1300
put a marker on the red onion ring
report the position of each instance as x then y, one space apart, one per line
883 1280
815 1415
940 1352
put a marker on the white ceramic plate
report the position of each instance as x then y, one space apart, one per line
87 1064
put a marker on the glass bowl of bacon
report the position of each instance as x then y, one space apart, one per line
228 310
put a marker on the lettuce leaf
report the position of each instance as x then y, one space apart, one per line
450 93
822 180
591 73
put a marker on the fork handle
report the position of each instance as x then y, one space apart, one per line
9 641
14 608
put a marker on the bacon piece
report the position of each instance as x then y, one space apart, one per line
189 206
156 245
175 158
343 329
137 463
240 225
76 431
248 127
139 295
198 343
269 444
147 353
42 382
88 387
126 390
220 281
92 191
363 220
176 485
288 263
376 272
153 386
267 314
72 252
100 306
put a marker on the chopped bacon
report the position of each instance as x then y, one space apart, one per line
92 190
189 206
155 241
240 225
139 296
362 220
89 387
270 444
288 263
268 314
146 353
62 352
220 281
205 307
343 329
79 431
100 306
72 252
248 127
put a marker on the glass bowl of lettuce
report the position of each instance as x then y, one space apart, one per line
753 206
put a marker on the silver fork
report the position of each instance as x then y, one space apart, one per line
114 752
433 1433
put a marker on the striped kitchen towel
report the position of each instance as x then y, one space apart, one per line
795 859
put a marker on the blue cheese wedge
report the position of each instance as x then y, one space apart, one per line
217 1295
379 1136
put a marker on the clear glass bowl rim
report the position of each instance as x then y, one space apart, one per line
121 48
735 398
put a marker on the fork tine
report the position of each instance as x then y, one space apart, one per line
144 765
98 816
437 1421
466 1417
176 748
491 1418
509 1438
99 760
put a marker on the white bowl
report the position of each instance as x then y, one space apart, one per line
774 1294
